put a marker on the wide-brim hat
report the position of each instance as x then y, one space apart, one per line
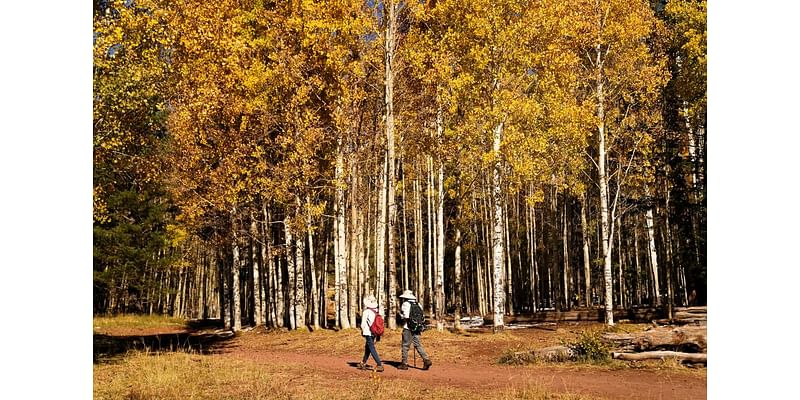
408 295
370 302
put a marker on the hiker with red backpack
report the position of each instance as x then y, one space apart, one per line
371 329
411 313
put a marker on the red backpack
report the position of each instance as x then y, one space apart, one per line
377 325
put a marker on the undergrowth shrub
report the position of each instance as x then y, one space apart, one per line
589 347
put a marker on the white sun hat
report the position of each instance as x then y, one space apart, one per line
408 295
370 302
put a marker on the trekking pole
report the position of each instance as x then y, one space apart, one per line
415 356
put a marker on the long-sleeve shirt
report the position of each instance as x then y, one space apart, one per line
367 317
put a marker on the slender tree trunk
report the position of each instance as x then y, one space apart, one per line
314 300
587 269
636 261
418 242
352 245
565 245
497 238
405 232
338 296
669 267
340 242
256 279
292 273
300 289
392 205
431 229
604 217
481 295
530 223
380 236
457 312
651 240
508 278
237 316
269 268
440 230
324 285
621 269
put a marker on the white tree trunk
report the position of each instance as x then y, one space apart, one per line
587 270
418 243
431 238
392 205
259 320
237 314
605 229
380 238
497 237
291 270
340 247
315 298
651 246
300 265
440 229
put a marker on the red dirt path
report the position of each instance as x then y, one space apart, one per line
610 384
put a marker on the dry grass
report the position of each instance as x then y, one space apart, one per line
132 321
191 376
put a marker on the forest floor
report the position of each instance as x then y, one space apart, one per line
258 363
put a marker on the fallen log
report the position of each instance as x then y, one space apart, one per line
661 355
661 338
553 353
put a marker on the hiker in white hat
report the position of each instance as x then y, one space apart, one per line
411 313
371 329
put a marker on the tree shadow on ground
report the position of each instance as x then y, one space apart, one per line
200 336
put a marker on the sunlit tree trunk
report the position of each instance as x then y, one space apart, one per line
300 289
605 229
291 270
392 204
406 279
380 237
440 230
497 237
340 247
418 243
237 316
256 278
351 266
431 237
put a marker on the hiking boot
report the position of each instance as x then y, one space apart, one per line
362 366
379 368
427 364
402 366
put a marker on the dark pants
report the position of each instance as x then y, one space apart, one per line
369 348
408 338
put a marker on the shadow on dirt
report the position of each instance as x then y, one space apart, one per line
201 336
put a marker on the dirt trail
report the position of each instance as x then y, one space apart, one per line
610 384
